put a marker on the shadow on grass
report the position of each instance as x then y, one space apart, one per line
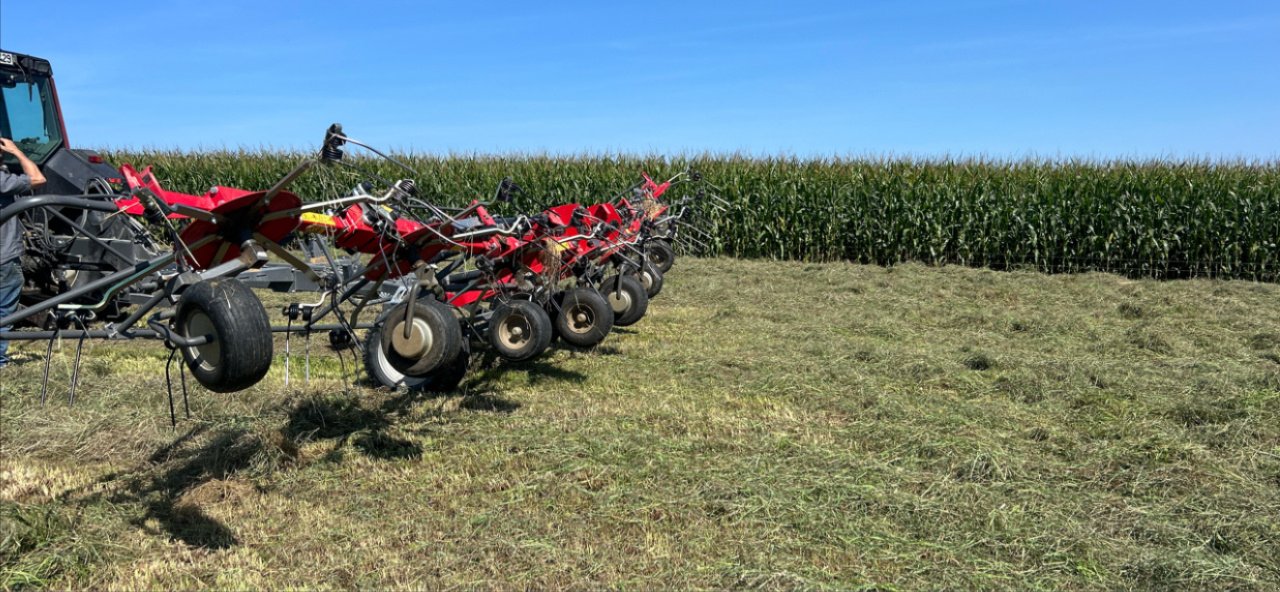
603 349
164 495
482 389
342 419
489 372
200 466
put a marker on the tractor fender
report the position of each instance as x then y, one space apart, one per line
74 171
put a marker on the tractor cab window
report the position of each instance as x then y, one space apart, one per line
27 115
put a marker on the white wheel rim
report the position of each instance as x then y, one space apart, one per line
207 356
581 318
515 331
389 376
619 301
419 341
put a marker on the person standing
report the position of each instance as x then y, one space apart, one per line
11 186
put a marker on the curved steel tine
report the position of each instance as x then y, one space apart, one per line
307 359
182 378
75 366
288 332
48 360
168 381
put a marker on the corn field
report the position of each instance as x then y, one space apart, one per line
1143 219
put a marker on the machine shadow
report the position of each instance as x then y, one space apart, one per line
352 420
488 373
198 467
483 388
167 485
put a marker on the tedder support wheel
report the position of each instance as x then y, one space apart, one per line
341 339
520 330
434 337
627 299
450 375
582 316
239 354
651 278
661 254
445 378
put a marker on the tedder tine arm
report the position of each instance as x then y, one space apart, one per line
282 183
278 214
290 258
198 214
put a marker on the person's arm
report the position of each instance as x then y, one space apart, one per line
35 177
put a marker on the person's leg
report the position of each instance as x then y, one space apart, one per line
10 289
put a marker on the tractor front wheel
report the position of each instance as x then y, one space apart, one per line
445 378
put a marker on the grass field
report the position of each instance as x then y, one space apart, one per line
769 425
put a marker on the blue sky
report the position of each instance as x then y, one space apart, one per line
923 78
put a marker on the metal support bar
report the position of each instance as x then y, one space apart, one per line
116 281
325 327
45 201
90 334
290 258
95 239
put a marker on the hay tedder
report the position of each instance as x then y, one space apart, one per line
111 254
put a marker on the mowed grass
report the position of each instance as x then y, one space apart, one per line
769 425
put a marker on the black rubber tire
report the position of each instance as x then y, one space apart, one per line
377 367
445 378
651 278
598 317
341 339
449 376
627 298
240 354
661 254
533 325
431 317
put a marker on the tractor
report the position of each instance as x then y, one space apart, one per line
59 256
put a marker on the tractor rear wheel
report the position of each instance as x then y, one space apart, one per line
239 352
627 299
582 317
520 330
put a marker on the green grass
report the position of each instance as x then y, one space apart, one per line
902 428
1163 219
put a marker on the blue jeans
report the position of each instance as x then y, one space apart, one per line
10 288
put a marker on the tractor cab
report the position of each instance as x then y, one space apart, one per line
29 107
31 116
